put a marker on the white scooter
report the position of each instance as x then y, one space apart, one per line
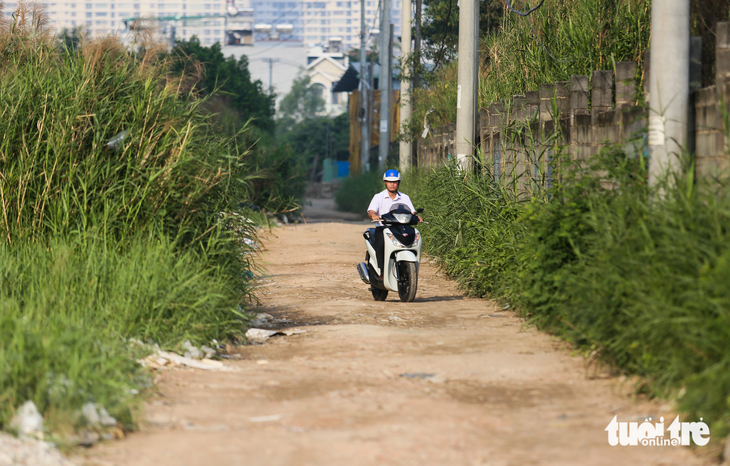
402 256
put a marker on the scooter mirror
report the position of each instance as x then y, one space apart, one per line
419 211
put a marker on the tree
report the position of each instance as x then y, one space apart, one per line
71 38
302 102
307 133
440 27
315 139
229 80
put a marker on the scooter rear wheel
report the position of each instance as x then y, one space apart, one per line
408 284
378 294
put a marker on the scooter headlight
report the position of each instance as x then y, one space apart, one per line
395 241
403 218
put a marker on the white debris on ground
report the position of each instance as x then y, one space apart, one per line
273 417
164 359
197 358
209 352
96 415
192 351
29 452
29 449
27 421
260 335
266 320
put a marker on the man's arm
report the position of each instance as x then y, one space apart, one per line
413 209
407 201
373 207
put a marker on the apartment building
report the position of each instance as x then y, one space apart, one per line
314 23
107 17
326 19
279 15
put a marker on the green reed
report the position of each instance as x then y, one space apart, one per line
120 217
635 277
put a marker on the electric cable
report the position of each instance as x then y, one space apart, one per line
300 28
509 5
539 41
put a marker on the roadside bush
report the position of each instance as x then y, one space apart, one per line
279 174
605 262
357 192
472 228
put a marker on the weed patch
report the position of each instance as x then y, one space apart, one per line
605 262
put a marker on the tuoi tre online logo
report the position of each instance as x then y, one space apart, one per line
648 434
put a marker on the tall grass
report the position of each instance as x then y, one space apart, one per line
637 278
120 217
68 308
562 38
60 172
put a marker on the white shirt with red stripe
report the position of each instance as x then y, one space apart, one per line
382 203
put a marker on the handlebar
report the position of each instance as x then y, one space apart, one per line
380 220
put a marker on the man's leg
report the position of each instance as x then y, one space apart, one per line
379 245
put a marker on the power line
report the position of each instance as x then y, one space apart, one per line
287 11
534 33
509 5
304 23
300 29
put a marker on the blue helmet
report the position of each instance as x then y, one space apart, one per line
391 175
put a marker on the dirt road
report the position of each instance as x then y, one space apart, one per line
345 393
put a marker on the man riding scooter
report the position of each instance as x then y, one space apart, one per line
381 204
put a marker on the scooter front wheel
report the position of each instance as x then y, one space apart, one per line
408 283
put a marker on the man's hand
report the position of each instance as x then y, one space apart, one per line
373 216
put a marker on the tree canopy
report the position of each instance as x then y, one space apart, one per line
230 80
309 134
302 102
440 26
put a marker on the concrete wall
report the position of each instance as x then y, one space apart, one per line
519 137
712 106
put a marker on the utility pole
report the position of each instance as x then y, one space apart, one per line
391 41
668 86
384 142
371 102
364 129
271 72
468 81
416 71
405 83
417 46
